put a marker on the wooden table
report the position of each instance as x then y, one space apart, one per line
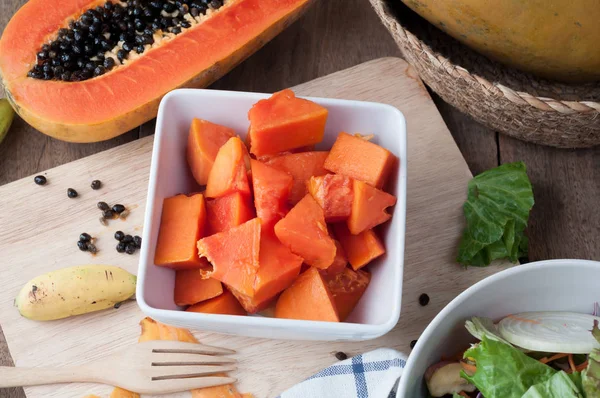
336 34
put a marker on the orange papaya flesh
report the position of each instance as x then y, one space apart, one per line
369 207
360 249
111 104
347 288
272 189
334 193
182 224
192 288
308 298
279 267
301 166
360 159
304 232
339 262
121 393
227 212
284 122
204 141
225 304
229 172
234 255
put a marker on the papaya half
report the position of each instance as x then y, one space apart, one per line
89 70
554 39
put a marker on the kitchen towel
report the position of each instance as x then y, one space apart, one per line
374 374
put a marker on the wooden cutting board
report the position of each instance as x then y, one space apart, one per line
40 225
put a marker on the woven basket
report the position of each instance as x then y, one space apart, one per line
507 100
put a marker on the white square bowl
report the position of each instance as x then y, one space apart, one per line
378 310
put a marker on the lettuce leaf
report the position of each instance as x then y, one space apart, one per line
497 211
558 386
591 375
503 371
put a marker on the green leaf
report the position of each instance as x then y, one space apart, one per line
558 386
591 375
497 211
503 371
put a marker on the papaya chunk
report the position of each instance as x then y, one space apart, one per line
272 189
225 304
301 166
278 269
304 232
192 288
234 255
361 160
308 298
182 224
368 207
227 212
333 192
360 249
347 288
284 122
152 330
339 262
229 171
122 393
204 141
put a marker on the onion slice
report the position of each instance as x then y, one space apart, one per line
565 332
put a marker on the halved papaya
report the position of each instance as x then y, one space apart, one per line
192 288
272 189
333 192
304 232
192 50
284 122
227 212
347 288
233 256
182 223
204 141
369 207
360 159
301 166
225 304
229 173
360 249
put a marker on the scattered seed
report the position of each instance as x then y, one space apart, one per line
119 235
117 305
137 241
424 299
92 248
96 184
121 246
127 239
85 237
82 245
412 344
71 193
103 206
40 180
103 221
118 208
108 214
341 355
130 248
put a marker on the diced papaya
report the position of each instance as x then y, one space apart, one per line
266 158
369 207
360 159
272 189
227 212
122 393
308 298
278 269
204 141
347 288
229 173
152 330
192 288
333 192
339 262
283 122
226 391
234 256
182 224
225 304
304 232
301 166
360 249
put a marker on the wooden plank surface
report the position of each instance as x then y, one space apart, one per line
267 367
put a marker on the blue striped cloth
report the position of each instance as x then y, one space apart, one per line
371 375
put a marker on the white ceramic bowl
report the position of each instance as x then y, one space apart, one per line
378 310
554 285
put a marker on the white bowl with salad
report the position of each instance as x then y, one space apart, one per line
530 331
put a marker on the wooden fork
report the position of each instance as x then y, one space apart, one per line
153 367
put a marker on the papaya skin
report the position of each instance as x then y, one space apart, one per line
556 40
109 105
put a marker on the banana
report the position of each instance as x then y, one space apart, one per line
74 291
6 117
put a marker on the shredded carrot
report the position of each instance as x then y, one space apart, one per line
470 369
553 358
463 394
572 363
581 366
